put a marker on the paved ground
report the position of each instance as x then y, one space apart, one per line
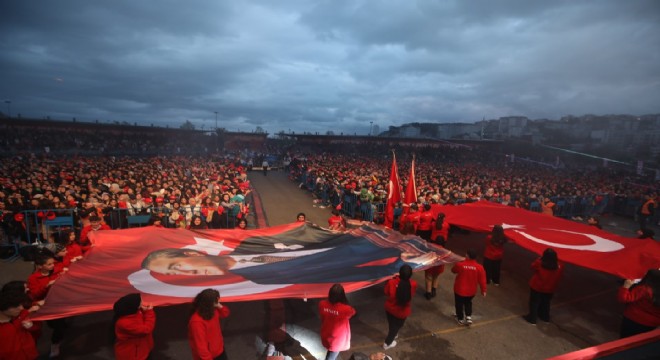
584 312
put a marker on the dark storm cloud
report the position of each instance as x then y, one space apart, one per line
322 66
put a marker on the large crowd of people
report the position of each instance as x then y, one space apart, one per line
101 193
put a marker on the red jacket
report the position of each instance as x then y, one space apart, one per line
335 326
37 283
545 280
84 236
73 250
444 231
391 306
639 305
205 336
17 343
336 222
469 273
134 335
493 252
425 221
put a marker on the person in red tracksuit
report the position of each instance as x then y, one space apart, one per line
399 291
134 324
38 285
335 327
493 254
547 271
204 332
642 312
432 274
17 343
425 225
73 249
95 225
469 274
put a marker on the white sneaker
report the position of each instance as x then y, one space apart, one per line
468 320
270 349
387 347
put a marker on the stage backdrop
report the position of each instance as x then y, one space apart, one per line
575 243
290 261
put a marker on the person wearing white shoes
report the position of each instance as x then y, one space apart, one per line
469 274
399 291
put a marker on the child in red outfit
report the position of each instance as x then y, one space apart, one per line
493 254
642 312
73 249
204 332
95 225
547 271
38 285
399 291
469 274
17 342
134 324
335 327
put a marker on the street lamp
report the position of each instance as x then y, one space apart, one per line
371 127
8 102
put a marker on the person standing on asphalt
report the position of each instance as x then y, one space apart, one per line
642 312
547 271
134 324
335 327
399 291
493 254
264 167
469 274
204 332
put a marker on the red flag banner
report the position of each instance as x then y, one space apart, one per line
170 266
393 194
575 243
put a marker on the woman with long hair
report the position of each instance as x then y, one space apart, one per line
399 291
133 325
335 327
204 332
642 312
547 271
493 254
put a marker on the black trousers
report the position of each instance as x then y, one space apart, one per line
463 305
630 328
539 306
395 324
492 268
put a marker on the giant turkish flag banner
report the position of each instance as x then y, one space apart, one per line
289 261
575 243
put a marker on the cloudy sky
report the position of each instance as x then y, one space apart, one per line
315 66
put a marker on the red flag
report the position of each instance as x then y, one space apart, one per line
411 189
575 243
393 193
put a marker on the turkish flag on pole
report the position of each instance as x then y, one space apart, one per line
393 193
411 188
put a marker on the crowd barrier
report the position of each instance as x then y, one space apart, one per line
40 226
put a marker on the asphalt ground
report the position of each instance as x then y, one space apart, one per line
584 310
